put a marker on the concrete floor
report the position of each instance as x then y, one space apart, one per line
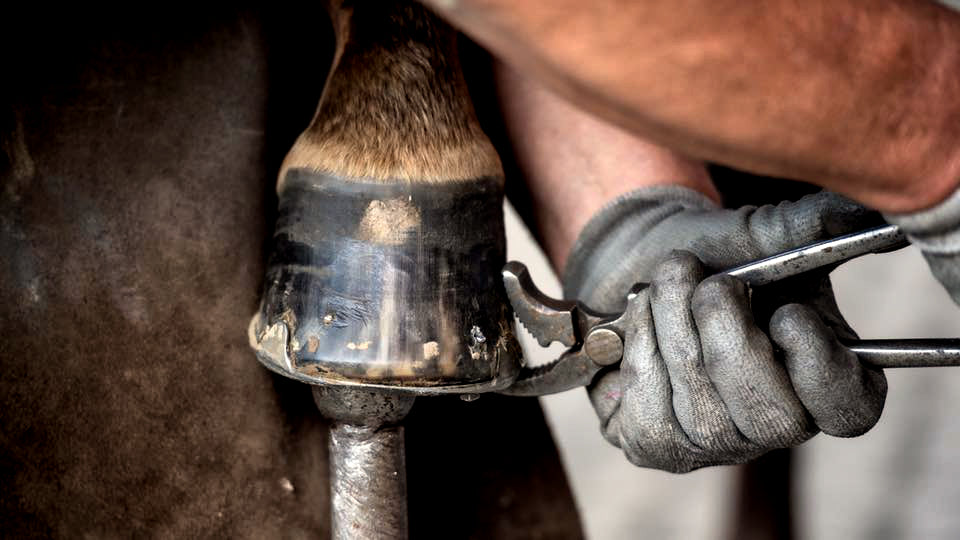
898 481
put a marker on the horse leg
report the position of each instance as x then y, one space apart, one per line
385 271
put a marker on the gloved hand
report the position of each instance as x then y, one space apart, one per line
936 231
701 383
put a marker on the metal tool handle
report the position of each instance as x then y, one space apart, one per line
884 353
820 255
904 353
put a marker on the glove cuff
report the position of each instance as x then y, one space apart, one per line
935 230
603 246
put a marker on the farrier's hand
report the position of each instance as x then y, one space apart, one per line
701 382
936 232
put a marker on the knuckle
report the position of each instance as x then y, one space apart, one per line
783 429
654 444
686 353
678 264
716 289
662 461
683 467
679 268
795 315
715 439
788 313
790 322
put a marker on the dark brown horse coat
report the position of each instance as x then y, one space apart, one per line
139 157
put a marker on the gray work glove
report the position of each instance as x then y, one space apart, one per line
701 383
936 231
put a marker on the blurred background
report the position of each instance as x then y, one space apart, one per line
900 480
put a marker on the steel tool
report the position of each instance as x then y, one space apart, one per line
595 340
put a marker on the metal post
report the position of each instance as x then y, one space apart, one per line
367 463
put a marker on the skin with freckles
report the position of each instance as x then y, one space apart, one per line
858 99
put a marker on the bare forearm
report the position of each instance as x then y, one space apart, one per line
574 163
861 98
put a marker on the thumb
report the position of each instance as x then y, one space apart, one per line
733 237
815 217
